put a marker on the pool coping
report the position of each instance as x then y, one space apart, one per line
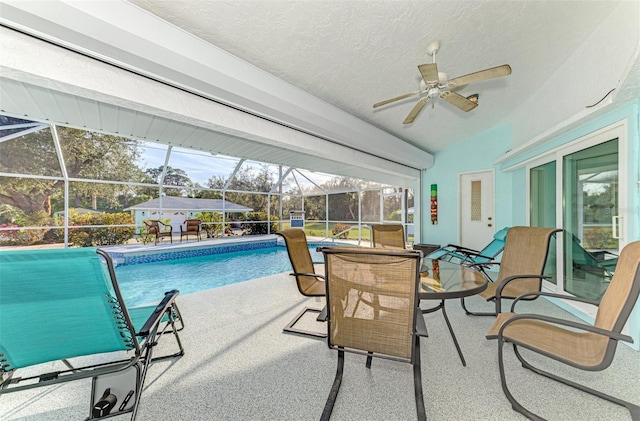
138 254
131 255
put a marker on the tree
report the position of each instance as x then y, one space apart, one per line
86 155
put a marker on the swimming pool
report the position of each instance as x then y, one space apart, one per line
141 283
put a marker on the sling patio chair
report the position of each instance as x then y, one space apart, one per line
59 304
158 230
460 254
580 345
191 227
310 283
521 267
388 236
372 302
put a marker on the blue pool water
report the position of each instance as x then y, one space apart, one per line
144 283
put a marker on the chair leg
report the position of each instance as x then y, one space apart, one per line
333 394
417 382
633 408
514 403
369 359
292 329
474 313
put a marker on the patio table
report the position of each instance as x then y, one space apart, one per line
445 280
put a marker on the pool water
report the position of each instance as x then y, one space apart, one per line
145 283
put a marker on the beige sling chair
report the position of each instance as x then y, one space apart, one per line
388 236
521 267
372 309
583 346
310 284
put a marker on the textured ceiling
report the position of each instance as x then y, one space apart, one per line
355 53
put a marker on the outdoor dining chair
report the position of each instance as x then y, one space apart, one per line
521 267
579 345
158 230
58 304
310 283
191 227
388 236
372 309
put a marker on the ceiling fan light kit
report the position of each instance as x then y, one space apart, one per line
437 84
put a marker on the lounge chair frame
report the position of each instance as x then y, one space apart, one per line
621 301
368 257
165 318
465 255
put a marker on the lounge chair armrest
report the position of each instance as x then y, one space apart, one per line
568 323
553 295
484 264
158 313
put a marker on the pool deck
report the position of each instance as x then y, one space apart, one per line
239 365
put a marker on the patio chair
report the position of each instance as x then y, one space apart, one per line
388 324
456 253
310 283
158 230
388 236
59 304
580 345
521 267
191 227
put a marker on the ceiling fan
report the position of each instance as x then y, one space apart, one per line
435 84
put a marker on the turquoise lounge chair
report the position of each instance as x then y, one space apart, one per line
460 254
59 304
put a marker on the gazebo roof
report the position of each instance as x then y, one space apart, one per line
186 203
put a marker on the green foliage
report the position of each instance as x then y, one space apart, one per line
212 230
338 228
101 236
262 226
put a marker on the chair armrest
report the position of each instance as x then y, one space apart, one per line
505 281
568 323
164 226
554 295
316 275
158 313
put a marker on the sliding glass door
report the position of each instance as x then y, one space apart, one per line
579 188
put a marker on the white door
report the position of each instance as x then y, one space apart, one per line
476 209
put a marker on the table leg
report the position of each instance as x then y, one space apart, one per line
446 319
453 335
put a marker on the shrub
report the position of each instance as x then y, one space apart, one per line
211 230
337 228
262 226
101 236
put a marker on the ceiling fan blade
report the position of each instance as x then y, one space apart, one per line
416 110
503 70
398 98
458 100
429 73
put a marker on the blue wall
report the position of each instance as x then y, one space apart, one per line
473 154
479 152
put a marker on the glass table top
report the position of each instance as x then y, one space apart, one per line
440 280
